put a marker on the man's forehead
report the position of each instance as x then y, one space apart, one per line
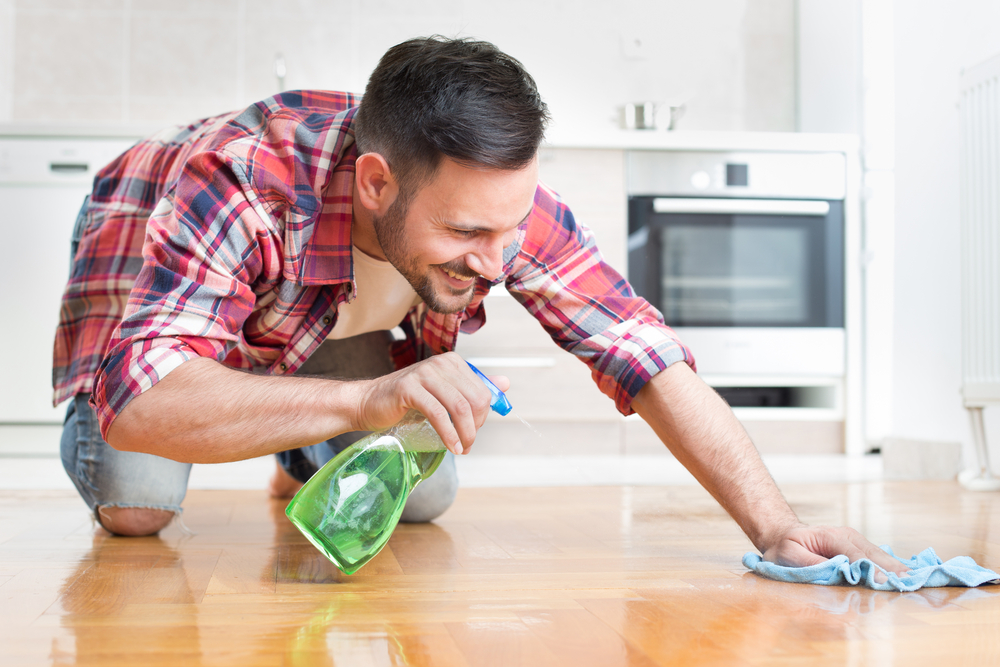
482 197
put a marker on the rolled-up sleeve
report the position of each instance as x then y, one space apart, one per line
202 252
587 307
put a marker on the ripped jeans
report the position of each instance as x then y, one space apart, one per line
106 477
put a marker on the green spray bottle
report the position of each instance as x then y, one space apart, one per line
350 507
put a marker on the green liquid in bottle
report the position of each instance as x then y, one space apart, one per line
363 507
349 508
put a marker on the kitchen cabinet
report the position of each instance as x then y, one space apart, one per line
43 181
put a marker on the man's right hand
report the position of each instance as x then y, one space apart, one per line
443 388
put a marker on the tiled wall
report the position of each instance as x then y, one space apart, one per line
157 61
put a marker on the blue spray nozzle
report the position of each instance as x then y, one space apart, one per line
499 404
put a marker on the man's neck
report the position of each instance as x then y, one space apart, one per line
363 230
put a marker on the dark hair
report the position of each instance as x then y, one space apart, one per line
466 100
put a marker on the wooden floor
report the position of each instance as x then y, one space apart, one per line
571 576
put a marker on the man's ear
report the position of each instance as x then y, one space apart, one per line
376 186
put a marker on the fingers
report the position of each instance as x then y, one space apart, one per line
883 559
857 552
792 554
431 407
444 389
859 548
810 545
855 546
454 416
465 397
501 381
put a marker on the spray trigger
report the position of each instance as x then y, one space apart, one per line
499 404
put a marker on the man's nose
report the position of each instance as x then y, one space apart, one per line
487 261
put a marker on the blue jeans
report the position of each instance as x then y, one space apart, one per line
106 477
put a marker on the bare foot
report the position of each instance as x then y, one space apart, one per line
282 484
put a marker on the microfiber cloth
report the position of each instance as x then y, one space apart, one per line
926 569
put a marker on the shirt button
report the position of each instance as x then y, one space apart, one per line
283 367
326 320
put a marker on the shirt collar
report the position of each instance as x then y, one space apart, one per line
326 255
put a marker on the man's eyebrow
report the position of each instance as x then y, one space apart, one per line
476 228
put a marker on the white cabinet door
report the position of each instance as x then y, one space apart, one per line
43 181
35 225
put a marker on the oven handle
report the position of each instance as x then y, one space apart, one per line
742 206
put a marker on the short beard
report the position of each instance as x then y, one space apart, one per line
390 232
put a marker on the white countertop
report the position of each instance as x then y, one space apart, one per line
616 139
598 138
77 131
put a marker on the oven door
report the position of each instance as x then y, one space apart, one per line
739 262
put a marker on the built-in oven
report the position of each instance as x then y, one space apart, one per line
744 254
739 262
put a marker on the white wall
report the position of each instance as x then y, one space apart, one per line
829 66
155 62
934 40
6 58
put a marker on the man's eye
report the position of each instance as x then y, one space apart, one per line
465 232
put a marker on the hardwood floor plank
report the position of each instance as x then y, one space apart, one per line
490 643
28 594
579 638
426 644
178 578
471 546
104 587
571 576
249 569
517 539
666 641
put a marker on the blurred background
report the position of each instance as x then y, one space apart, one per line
887 73
161 62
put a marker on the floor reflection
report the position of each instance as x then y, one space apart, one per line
859 602
325 640
719 620
352 628
978 511
101 602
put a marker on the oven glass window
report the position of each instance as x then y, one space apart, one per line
715 268
735 274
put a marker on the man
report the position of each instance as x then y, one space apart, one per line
253 244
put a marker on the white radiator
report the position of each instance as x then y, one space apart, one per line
980 255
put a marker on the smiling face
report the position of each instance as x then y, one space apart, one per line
454 229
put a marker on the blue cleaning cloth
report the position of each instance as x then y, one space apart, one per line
926 569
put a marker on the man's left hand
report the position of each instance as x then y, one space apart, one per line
811 545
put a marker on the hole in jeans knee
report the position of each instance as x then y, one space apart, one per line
133 521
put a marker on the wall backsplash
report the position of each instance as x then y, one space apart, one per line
146 61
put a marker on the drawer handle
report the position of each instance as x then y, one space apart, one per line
512 362
69 167
742 206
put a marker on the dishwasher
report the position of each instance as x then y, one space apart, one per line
43 180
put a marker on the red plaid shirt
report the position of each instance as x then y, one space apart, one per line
231 238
